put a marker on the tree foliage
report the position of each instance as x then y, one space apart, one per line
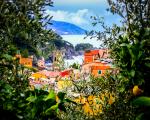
22 27
129 44
83 46
22 24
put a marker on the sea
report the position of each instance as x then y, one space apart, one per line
77 39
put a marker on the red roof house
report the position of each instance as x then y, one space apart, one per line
92 62
51 74
66 73
95 55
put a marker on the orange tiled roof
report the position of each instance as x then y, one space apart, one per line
91 52
103 53
38 75
50 73
101 67
65 73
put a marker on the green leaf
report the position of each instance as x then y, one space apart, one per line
51 95
32 99
133 57
8 88
26 35
9 106
140 54
139 117
61 95
123 44
6 11
142 101
132 73
147 65
54 107
33 112
62 107
121 88
8 57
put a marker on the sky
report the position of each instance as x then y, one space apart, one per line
79 12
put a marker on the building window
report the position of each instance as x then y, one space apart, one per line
99 72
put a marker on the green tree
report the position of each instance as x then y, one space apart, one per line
129 44
22 27
22 24
131 40
83 46
75 66
25 53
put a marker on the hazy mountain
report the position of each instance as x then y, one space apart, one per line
64 28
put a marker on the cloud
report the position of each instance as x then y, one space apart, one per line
80 1
80 17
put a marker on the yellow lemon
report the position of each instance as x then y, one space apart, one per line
137 90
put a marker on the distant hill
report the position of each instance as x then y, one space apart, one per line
63 45
64 28
59 44
83 46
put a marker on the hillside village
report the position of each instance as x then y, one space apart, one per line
95 63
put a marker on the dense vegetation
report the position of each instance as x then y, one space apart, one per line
130 50
21 28
83 46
